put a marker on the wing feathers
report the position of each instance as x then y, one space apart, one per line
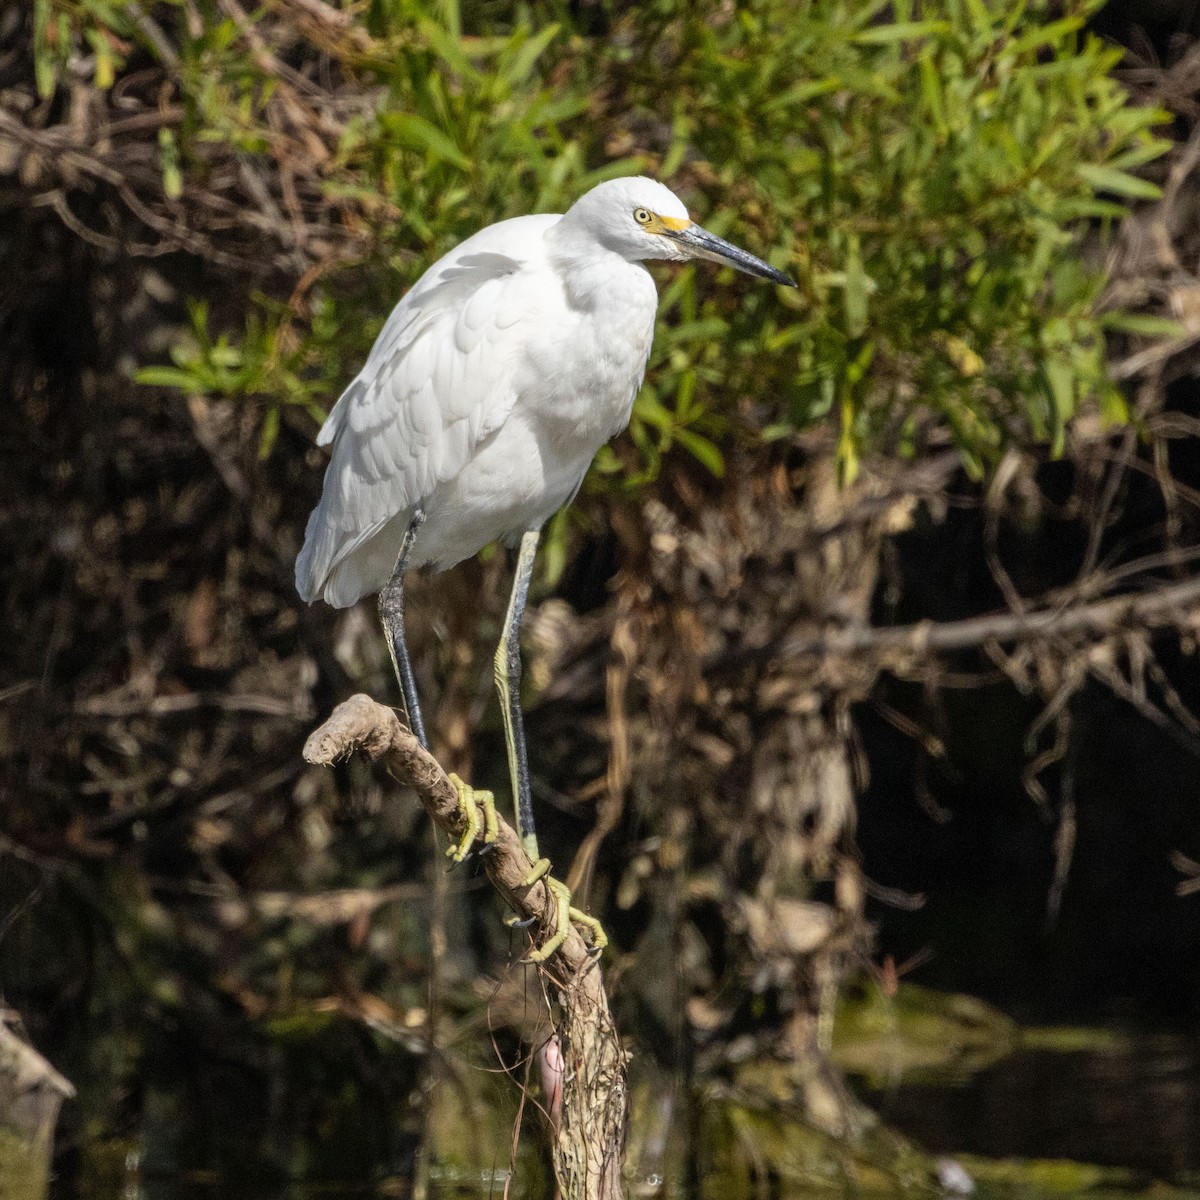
438 381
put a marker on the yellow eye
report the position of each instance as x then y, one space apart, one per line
641 216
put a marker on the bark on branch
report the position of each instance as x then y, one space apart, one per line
590 1138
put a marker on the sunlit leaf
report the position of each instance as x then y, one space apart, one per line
416 131
1120 183
1144 324
906 31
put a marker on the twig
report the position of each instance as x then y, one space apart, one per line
609 811
329 20
159 706
70 157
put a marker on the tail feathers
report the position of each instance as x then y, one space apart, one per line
312 563
340 568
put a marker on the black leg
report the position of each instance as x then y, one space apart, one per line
508 683
391 613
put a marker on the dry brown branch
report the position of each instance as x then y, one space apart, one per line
159 706
590 1140
103 176
608 812
326 21
1166 606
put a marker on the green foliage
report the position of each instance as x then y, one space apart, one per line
926 173
105 27
264 362
933 178
463 131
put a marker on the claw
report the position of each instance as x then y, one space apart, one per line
470 802
540 870
562 922
599 937
491 823
563 916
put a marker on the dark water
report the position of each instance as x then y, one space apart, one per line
1112 1098
1134 1103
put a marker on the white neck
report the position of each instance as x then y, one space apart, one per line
589 271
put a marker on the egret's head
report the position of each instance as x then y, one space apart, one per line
639 218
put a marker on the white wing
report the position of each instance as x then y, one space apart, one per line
438 381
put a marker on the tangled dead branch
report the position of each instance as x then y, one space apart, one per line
90 161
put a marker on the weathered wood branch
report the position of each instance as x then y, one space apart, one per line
590 1139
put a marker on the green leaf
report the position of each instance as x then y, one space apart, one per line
171 377
981 18
1060 380
857 284
1114 407
448 47
168 154
419 133
1144 325
554 546
1120 183
847 447
1147 152
43 60
451 16
702 450
270 431
905 31
932 94
1044 35
802 93
522 64
105 72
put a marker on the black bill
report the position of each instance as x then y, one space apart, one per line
707 245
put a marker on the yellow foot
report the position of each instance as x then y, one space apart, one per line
593 926
539 870
469 803
563 916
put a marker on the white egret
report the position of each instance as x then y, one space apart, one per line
492 385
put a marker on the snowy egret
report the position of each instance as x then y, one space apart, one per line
489 390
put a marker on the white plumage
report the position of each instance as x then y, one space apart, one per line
494 382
